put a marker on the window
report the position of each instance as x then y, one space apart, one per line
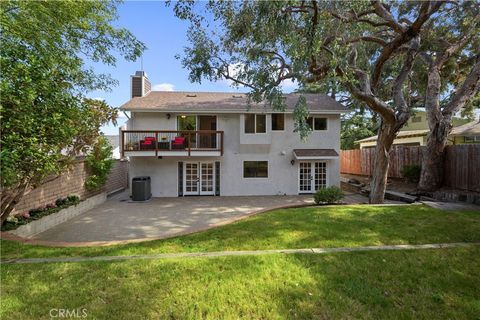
417 119
472 139
185 123
261 125
255 123
317 124
255 169
278 121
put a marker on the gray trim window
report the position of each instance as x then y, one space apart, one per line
278 121
472 139
317 123
255 169
255 123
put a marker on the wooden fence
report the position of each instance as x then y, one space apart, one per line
462 163
462 167
362 161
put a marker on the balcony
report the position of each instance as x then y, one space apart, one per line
172 143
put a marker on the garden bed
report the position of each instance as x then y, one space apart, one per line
41 219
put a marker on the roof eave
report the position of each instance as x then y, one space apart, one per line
225 111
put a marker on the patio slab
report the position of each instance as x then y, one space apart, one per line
119 220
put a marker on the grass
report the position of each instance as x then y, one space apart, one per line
337 226
423 284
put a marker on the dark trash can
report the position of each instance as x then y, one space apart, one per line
141 189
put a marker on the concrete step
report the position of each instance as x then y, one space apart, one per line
400 196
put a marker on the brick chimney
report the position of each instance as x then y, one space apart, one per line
140 85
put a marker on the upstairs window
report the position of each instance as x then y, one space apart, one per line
317 123
255 123
278 121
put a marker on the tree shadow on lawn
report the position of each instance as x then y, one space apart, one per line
416 284
338 226
329 227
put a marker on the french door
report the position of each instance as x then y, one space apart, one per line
312 175
199 178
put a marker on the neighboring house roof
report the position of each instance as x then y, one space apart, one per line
401 134
468 129
222 102
314 153
114 141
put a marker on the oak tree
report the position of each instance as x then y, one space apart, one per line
368 48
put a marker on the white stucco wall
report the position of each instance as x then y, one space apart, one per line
282 175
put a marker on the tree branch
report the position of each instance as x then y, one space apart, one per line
398 96
365 94
405 35
468 89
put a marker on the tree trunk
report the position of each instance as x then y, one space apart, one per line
431 177
378 185
10 199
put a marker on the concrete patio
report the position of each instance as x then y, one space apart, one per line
120 220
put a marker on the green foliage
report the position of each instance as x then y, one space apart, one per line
45 117
99 163
356 126
331 194
13 222
411 172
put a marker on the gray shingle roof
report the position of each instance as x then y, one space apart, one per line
469 129
176 101
401 134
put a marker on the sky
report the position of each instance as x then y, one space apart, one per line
155 25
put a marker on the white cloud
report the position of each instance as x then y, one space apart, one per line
164 87
288 85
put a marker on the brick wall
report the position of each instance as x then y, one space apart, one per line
118 178
72 182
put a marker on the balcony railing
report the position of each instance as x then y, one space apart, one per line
173 141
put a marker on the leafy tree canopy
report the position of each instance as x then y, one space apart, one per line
46 118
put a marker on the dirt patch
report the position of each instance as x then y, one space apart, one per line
394 184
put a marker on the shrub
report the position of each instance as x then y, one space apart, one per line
73 199
99 163
411 172
14 222
61 202
330 194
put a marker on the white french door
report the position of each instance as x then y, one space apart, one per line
199 178
312 175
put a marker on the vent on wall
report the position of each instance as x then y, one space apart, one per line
237 96
191 95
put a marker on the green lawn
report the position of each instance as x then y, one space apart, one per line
337 226
423 284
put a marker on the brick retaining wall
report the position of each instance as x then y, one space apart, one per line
72 182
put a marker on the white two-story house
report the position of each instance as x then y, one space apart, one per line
211 143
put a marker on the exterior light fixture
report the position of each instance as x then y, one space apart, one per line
292 162
183 116
168 115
